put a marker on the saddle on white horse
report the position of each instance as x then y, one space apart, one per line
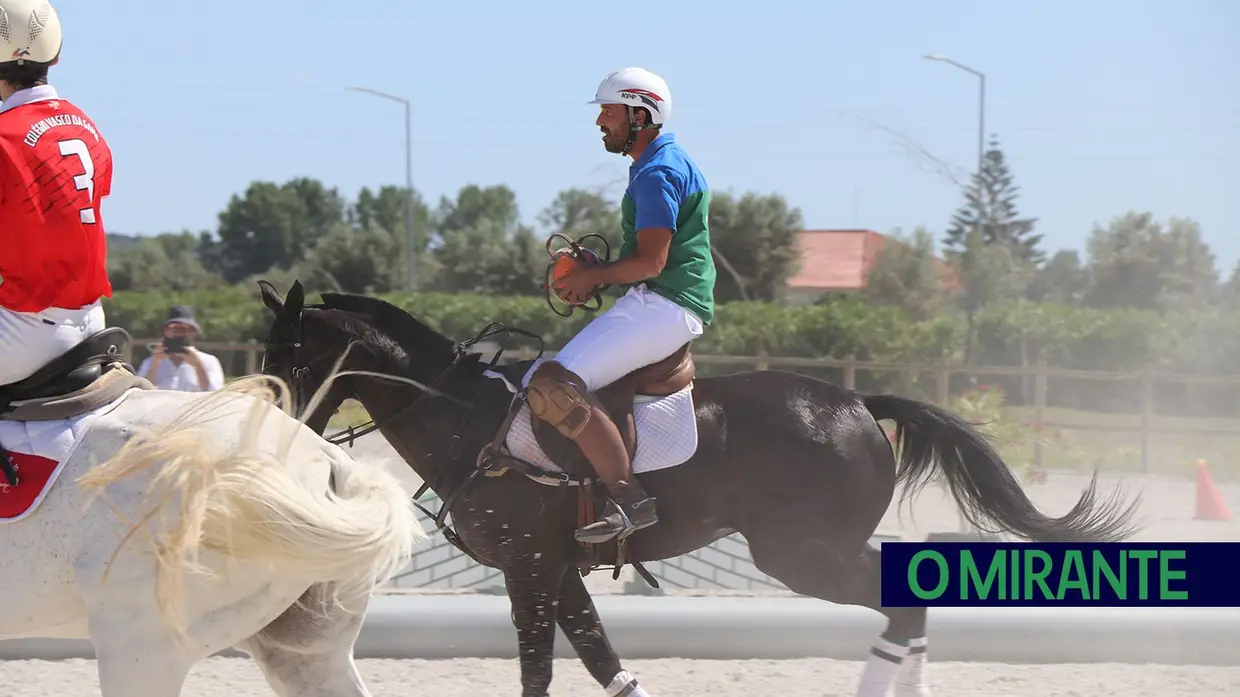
38 415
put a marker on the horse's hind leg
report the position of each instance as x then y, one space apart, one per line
308 650
850 576
580 622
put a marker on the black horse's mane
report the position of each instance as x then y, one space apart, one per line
402 334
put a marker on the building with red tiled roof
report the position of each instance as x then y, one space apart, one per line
834 260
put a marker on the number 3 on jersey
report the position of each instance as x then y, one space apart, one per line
84 181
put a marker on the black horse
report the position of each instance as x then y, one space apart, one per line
798 466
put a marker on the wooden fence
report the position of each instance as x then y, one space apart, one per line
1039 374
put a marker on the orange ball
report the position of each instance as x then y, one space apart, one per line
564 262
563 265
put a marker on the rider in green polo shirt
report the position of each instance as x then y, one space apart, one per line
665 263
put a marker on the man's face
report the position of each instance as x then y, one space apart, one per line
613 120
177 330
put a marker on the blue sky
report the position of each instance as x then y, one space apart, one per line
1102 106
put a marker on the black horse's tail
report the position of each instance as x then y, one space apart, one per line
981 482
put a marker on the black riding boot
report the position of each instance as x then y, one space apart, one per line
628 510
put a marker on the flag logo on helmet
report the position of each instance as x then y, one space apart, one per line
647 97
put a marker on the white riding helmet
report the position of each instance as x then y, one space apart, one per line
29 32
634 88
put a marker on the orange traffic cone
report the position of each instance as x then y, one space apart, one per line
1210 503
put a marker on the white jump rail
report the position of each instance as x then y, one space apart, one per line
442 626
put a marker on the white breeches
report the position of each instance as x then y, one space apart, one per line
28 340
641 328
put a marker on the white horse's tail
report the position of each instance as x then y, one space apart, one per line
252 505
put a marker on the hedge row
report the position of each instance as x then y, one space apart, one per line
1008 334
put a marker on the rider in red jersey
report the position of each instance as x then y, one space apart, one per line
55 168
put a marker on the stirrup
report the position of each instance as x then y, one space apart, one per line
605 528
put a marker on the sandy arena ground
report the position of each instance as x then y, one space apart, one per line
1167 514
235 677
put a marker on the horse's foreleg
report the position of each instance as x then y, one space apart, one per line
581 624
128 674
135 663
913 680
534 591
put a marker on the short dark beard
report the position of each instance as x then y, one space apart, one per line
614 144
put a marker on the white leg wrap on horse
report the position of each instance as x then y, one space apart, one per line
881 668
913 679
624 685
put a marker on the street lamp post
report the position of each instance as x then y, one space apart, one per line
981 103
410 273
981 154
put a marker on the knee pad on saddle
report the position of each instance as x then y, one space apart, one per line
558 397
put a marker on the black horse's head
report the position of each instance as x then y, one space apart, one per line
305 342
302 350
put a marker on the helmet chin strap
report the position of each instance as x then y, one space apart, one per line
633 129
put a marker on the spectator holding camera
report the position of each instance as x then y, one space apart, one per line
174 363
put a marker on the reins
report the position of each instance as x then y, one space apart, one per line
460 352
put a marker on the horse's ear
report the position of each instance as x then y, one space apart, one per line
296 299
271 298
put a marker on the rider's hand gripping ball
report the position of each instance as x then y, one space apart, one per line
563 261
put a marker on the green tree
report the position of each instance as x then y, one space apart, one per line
908 275
1229 292
384 210
161 263
578 212
988 274
990 206
1136 262
481 246
993 250
1189 276
1063 279
271 226
755 242
355 260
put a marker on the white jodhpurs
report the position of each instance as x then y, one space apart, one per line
641 328
28 340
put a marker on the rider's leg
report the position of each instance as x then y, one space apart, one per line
29 340
640 329
558 397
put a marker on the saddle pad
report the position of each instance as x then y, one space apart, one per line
666 434
40 450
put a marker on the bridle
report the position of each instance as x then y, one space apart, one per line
301 375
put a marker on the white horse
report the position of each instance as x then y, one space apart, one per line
182 524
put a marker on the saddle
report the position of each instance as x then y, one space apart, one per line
65 386
666 377
71 371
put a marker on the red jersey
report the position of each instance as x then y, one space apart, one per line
55 168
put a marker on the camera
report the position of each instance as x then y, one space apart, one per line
175 344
